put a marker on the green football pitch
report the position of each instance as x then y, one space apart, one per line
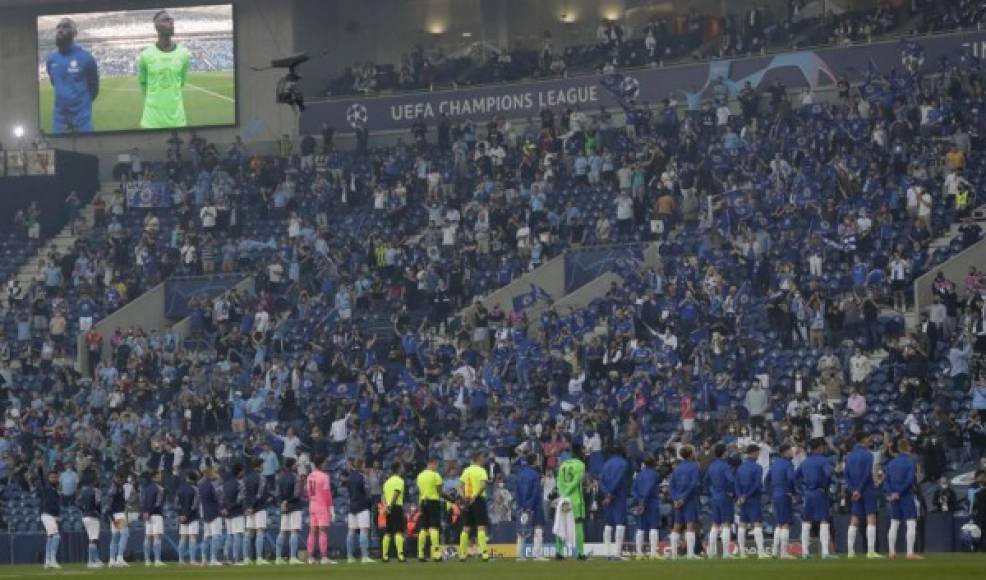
946 567
210 99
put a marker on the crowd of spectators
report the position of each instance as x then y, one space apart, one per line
662 40
789 230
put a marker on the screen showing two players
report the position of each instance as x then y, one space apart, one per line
137 70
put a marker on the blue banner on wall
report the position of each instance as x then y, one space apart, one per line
687 82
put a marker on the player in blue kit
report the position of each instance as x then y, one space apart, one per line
720 485
780 482
614 484
646 493
749 489
74 77
899 485
813 478
684 488
530 503
859 480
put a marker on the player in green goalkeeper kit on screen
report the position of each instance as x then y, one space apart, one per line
571 474
162 70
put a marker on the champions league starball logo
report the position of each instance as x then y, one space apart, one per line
630 87
356 115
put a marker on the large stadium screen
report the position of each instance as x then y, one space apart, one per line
166 68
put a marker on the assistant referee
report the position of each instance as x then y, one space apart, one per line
474 480
393 498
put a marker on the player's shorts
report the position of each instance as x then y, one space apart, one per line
650 518
751 511
616 512
318 520
722 510
815 507
904 508
120 518
687 513
360 521
235 525
189 529
213 528
91 526
257 520
71 122
865 505
291 521
50 523
154 526
475 515
431 514
783 510
396 524
133 516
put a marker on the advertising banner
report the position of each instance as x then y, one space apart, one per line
687 83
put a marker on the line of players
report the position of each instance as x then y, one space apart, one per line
743 489
231 514
221 520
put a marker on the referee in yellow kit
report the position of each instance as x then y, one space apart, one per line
393 497
474 480
430 505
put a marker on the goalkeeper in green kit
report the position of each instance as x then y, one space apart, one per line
162 71
571 474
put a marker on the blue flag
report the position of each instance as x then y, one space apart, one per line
529 299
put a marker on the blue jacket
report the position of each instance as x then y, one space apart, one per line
89 501
117 499
288 492
232 498
749 480
359 496
254 491
615 478
814 474
859 469
646 487
152 499
208 500
780 477
900 477
48 495
187 501
719 480
684 481
529 494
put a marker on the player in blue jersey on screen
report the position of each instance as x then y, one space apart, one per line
74 77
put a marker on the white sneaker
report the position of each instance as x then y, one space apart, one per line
294 562
262 562
350 560
242 563
159 564
56 566
368 560
120 562
326 561
311 561
215 563
94 565
280 561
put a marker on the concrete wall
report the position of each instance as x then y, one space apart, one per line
576 300
183 328
954 269
146 311
264 29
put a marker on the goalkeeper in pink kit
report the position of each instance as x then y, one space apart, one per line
320 511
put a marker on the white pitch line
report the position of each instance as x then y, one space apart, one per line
208 92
